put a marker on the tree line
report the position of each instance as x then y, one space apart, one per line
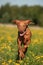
34 13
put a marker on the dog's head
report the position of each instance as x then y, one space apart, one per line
21 24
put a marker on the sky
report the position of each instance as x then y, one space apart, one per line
22 2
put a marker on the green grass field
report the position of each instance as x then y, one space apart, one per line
9 48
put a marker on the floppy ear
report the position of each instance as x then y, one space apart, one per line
27 22
15 21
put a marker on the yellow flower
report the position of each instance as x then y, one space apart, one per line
14 63
20 61
37 57
41 56
9 38
10 61
36 40
4 63
41 61
2 47
17 64
40 33
1 38
9 47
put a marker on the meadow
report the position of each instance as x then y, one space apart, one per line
9 48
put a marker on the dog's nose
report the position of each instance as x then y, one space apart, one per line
20 30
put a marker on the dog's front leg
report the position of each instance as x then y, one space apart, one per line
20 52
19 44
26 46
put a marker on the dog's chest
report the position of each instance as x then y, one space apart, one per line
27 34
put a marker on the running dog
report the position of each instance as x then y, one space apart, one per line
24 36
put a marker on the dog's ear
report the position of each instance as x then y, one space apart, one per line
15 21
28 22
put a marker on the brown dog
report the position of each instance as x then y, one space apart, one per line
24 36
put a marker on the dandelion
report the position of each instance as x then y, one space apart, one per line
9 47
42 61
4 63
9 38
41 56
1 38
20 61
37 57
36 40
9 60
40 33
17 64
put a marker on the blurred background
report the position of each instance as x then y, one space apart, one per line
21 9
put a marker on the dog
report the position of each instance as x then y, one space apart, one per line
24 36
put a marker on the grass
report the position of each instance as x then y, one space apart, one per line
9 48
